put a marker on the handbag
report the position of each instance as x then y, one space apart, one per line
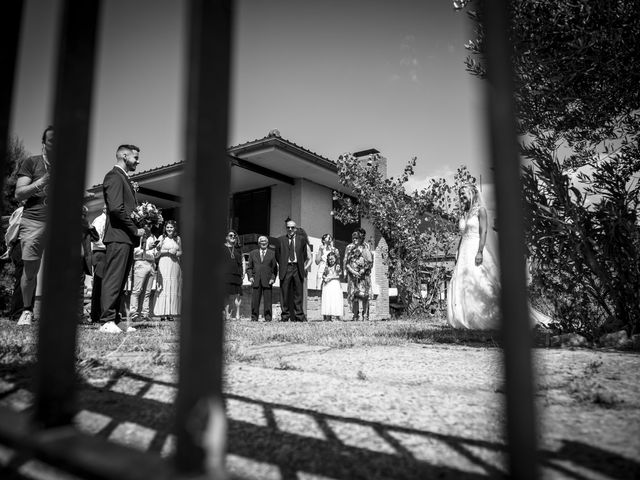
11 235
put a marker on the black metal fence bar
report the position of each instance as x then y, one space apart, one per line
516 329
48 434
200 422
9 38
55 373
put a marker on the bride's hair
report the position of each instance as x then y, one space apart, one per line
471 189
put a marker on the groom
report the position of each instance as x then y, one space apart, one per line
120 235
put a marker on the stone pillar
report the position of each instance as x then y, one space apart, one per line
380 276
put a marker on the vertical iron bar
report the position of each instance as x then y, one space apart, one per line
9 41
200 420
55 372
516 329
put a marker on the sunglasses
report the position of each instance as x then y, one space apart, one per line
291 228
232 235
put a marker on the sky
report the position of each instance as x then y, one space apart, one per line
331 76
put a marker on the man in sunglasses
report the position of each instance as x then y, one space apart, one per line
293 256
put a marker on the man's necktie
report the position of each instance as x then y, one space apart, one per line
261 255
292 255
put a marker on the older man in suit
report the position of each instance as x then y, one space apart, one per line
261 272
294 256
120 235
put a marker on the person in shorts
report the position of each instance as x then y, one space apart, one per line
31 188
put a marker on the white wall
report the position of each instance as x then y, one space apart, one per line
280 208
316 207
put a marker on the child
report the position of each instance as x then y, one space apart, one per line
332 302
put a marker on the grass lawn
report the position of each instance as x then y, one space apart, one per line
434 386
159 340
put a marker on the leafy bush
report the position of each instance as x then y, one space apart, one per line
577 94
420 228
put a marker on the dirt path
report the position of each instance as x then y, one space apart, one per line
413 411
437 411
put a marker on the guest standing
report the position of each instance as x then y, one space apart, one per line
293 256
31 187
144 276
261 271
89 234
332 302
233 275
98 259
358 263
120 235
169 277
321 257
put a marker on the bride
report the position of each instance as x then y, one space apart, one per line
473 294
472 300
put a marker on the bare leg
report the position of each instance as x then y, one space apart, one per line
237 301
28 282
227 309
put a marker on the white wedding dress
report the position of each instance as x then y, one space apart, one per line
473 293
472 300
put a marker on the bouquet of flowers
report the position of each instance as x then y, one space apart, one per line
147 215
331 273
359 266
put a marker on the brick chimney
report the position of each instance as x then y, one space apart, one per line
373 155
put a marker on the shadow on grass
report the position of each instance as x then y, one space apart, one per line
316 443
445 334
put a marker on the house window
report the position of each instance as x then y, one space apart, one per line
342 232
250 211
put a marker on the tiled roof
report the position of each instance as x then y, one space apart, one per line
274 134
144 173
161 167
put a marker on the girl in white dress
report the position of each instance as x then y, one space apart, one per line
332 301
321 257
169 276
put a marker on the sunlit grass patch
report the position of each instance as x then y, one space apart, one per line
156 344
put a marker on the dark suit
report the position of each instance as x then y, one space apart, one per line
292 275
120 235
263 272
89 234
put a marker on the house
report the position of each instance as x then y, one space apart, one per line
271 179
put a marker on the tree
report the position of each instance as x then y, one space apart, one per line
419 228
577 93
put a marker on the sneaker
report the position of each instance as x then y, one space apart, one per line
129 329
110 327
26 318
